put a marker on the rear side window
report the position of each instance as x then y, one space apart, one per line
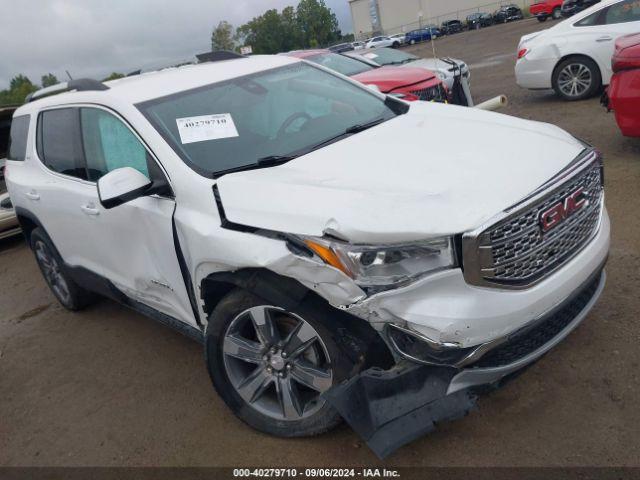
59 143
623 12
18 138
591 20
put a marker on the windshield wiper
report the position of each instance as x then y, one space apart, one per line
349 131
268 161
275 160
362 127
402 62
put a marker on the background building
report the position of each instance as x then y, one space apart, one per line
395 16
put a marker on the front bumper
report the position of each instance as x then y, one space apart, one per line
527 346
389 409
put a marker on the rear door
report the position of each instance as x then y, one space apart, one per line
59 193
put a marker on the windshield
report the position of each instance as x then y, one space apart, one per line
282 112
389 56
341 64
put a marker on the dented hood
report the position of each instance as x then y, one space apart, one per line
437 170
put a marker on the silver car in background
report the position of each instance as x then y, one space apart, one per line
8 221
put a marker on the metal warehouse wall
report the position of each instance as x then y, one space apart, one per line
403 15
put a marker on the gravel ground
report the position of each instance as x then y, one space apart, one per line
110 387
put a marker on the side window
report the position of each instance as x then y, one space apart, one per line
623 12
58 142
109 144
591 20
18 138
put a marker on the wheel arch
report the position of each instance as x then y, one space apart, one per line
28 222
356 335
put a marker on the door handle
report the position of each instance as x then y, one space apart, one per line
32 195
90 209
605 38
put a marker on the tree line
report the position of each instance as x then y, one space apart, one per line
309 25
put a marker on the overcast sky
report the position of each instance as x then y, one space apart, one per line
92 38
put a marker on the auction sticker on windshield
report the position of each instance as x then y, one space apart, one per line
206 127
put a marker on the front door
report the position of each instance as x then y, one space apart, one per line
137 251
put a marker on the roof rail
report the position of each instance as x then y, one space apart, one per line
218 56
79 85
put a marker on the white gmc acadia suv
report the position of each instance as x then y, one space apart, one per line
333 252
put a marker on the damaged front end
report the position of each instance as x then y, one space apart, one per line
390 408
432 384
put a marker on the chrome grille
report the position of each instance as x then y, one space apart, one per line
431 94
515 252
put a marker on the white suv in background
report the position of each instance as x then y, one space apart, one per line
574 56
306 230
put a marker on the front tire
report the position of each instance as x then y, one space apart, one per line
557 14
70 295
576 78
270 365
542 19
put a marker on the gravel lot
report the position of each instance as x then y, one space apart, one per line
110 387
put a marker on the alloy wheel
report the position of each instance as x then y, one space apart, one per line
277 363
575 79
52 273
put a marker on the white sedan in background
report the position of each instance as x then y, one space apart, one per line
377 42
401 37
574 56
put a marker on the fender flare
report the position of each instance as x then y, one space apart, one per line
28 222
284 291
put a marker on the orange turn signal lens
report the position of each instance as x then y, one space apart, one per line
326 254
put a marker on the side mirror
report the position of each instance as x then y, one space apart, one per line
121 186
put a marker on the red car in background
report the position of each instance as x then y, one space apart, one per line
545 9
623 93
409 84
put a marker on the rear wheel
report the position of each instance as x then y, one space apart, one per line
395 45
576 78
412 42
542 18
71 295
271 365
556 14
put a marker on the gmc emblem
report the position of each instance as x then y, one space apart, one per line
562 210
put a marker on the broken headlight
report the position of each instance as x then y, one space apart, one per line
381 267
